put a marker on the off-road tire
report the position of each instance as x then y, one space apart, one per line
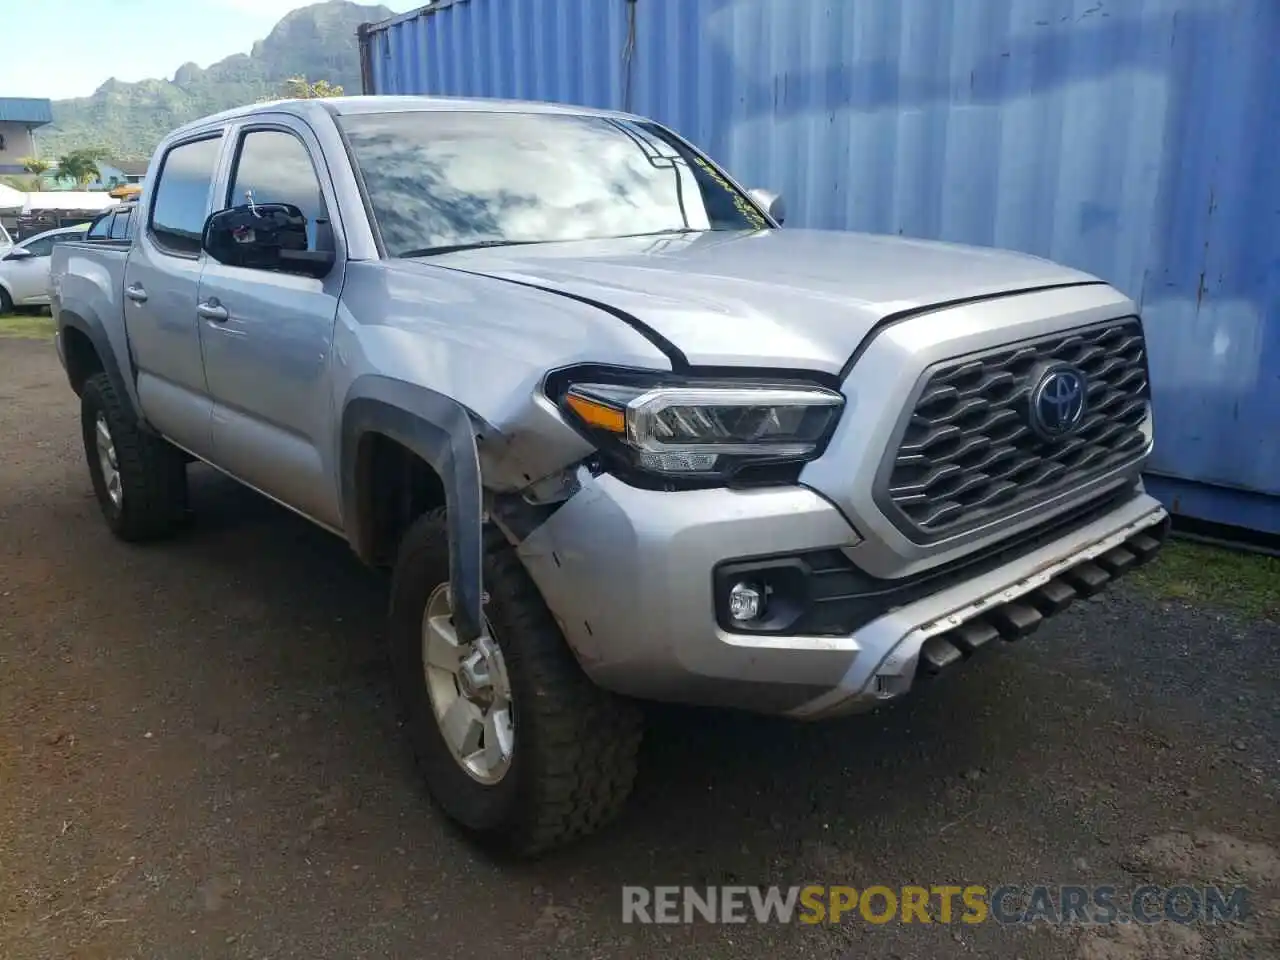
153 473
574 760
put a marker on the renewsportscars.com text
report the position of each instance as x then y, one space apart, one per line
942 903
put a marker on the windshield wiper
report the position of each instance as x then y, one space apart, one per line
478 244
455 247
673 232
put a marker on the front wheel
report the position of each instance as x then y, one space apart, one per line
515 743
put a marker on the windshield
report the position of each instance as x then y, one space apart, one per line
445 180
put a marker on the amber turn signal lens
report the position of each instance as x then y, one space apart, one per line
597 414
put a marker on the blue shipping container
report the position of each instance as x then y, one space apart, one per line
1135 139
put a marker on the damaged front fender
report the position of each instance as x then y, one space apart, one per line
443 433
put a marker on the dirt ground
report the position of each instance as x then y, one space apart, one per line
199 757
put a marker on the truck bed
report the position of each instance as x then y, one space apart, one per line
86 284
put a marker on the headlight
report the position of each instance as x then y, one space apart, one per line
703 430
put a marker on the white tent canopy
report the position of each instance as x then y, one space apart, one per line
67 201
11 200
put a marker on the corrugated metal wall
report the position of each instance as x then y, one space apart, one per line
1136 139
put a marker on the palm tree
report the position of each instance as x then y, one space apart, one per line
81 166
24 184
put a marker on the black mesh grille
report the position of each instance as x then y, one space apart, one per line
969 452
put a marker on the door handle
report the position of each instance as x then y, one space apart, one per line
135 293
212 310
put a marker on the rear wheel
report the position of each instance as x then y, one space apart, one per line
140 480
515 743
6 301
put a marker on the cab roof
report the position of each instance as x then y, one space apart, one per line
351 106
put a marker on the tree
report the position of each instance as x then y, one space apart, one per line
81 166
298 88
24 184
34 166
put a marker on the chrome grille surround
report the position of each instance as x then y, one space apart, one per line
966 454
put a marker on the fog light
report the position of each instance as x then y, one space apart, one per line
746 602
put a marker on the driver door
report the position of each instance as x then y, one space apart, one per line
267 333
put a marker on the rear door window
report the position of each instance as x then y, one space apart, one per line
182 196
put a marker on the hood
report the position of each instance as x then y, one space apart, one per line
797 299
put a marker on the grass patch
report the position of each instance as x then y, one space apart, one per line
1245 583
34 326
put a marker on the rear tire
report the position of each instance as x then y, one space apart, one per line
6 302
140 480
573 759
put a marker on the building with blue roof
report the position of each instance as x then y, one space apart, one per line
19 119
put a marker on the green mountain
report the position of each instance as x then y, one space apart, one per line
129 119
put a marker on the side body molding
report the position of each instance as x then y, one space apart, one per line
443 433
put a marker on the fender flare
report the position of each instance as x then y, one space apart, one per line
443 433
71 316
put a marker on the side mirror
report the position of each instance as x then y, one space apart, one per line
19 253
264 236
772 202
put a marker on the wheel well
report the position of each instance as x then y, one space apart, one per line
81 357
394 487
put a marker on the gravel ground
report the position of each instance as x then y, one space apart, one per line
199 757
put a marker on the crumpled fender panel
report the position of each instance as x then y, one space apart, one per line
442 432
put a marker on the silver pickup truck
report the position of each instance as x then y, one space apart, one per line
617 434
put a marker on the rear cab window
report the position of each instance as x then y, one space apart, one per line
101 228
182 195
122 225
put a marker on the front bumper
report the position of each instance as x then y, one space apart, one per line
628 574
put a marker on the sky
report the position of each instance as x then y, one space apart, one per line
68 48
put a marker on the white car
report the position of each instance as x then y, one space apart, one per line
24 268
